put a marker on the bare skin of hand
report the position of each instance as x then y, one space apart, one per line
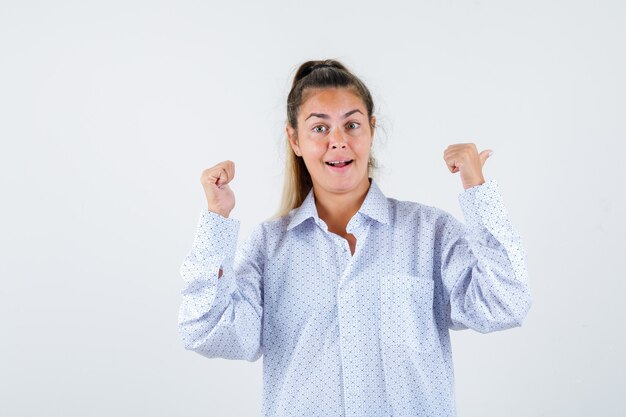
464 158
219 196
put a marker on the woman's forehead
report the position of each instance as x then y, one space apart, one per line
333 100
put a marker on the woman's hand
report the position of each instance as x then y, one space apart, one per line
464 158
220 198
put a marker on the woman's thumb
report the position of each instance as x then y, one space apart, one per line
484 155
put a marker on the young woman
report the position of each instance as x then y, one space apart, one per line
350 295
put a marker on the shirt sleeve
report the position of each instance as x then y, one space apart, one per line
483 265
221 316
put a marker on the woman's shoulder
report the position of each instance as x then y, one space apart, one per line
273 229
407 210
277 224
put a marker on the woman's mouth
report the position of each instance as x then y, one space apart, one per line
339 163
339 166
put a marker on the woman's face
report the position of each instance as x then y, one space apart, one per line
334 138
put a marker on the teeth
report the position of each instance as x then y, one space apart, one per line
336 162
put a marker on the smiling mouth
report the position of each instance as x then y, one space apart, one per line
339 164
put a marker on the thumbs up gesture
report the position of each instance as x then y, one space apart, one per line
464 158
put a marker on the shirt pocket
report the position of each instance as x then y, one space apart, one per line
406 312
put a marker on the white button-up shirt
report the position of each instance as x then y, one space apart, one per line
355 335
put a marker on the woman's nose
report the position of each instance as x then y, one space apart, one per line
337 139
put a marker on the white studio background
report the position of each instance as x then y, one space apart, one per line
109 112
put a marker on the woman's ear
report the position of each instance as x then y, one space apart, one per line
292 136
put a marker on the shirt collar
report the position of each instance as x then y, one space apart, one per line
374 206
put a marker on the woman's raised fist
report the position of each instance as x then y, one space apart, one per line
465 158
219 196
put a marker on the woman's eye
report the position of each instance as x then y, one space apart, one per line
354 125
319 129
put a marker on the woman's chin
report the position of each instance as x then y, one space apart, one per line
341 184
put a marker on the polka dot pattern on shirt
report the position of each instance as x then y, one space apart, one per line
355 335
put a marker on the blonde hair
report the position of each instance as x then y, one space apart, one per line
326 73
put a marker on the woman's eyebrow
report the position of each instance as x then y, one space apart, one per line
325 116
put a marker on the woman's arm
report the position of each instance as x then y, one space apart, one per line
483 264
221 310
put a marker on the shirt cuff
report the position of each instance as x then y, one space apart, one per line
482 205
216 235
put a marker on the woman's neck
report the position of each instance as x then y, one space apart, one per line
337 209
